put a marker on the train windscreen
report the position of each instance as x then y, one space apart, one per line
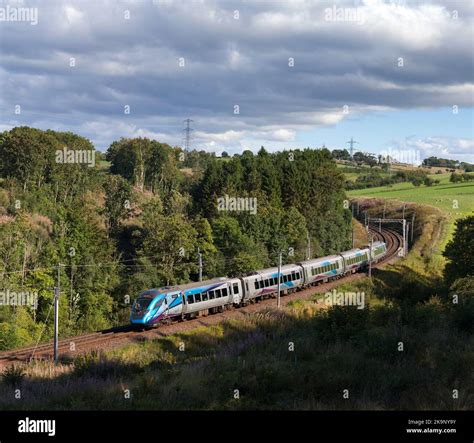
142 303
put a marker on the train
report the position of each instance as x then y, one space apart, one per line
155 306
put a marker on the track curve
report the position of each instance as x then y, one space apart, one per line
109 337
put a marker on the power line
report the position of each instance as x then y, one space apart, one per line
187 133
97 265
352 142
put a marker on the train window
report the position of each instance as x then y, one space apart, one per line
224 292
190 298
256 284
211 295
274 281
236 288
197 297
218 293
205 296
267 283
285 279
247 285
297 276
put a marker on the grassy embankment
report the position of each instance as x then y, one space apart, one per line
302 357
454 200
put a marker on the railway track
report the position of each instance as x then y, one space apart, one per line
70 347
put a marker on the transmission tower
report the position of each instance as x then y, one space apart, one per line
187 133
352 142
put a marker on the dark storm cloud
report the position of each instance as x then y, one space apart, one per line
229 62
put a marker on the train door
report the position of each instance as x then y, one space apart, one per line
184 304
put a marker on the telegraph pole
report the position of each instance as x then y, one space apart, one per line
279 280
352 224
200 264
308 252
57 290
408 234
404 237
370 255
412 226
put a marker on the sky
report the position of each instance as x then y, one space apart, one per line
396 75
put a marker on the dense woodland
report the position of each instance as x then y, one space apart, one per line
138 217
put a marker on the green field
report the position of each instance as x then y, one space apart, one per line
454 199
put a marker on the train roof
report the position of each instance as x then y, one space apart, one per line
354 251
377 243
287 267
319 260
166 289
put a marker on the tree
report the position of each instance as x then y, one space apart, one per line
341 154
455 178
428 181
459 250
118 194
171 240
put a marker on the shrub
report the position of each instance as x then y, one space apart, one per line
13 375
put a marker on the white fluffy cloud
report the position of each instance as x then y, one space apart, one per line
285 65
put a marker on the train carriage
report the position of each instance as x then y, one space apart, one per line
212 295
264 282
355 259
379 250
155 305
322 269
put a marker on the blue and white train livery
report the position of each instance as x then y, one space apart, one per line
154 306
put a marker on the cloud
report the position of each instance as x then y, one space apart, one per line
414 150
286 66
